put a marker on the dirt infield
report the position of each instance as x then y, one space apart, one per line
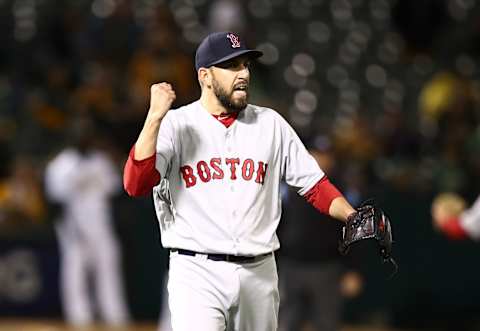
43 325
40 325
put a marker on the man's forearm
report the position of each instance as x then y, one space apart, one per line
161 98
146 143
340 209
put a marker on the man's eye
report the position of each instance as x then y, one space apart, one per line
226 65
234 64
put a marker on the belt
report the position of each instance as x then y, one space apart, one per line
221 257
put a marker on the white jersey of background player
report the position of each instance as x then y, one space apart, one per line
83 181
221 161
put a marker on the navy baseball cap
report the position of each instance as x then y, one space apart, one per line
219 47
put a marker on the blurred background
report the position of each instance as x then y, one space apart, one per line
391 89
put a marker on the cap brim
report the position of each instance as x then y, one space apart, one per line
252 53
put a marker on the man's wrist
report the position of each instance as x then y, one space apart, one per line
351 217
153 118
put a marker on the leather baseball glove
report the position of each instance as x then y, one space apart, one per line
369 222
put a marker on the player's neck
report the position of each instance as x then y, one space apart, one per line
212 105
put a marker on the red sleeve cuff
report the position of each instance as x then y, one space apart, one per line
140 176
454 230
322 194
148 160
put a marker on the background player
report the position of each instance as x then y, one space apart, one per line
449 215
83 179
216 165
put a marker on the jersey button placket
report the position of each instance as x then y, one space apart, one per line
229 150
233 213
228 141
235 244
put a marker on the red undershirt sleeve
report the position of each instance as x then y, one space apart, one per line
140 176
322 194
454 230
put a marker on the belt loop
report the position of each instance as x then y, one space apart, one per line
201 256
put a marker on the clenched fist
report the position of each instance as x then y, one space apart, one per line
162 96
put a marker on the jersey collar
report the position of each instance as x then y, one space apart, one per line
226 119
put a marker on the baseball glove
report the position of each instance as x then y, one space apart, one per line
369 222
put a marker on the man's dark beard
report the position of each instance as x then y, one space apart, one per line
226 99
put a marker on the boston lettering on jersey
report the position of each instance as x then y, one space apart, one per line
207 171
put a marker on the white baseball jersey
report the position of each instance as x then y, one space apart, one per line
84 184
220 188
470 220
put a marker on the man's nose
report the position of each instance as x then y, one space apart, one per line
244 73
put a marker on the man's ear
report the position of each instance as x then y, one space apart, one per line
205 76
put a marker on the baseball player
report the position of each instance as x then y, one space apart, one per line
215 167
83 179
450 216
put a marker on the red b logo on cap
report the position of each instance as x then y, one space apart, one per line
234 40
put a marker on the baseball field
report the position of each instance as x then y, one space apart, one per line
49 325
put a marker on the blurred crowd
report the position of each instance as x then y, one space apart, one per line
392 86
391 89
76 64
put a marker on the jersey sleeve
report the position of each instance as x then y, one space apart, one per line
299 167
165 146
140 176
453 229
322 194
470 220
